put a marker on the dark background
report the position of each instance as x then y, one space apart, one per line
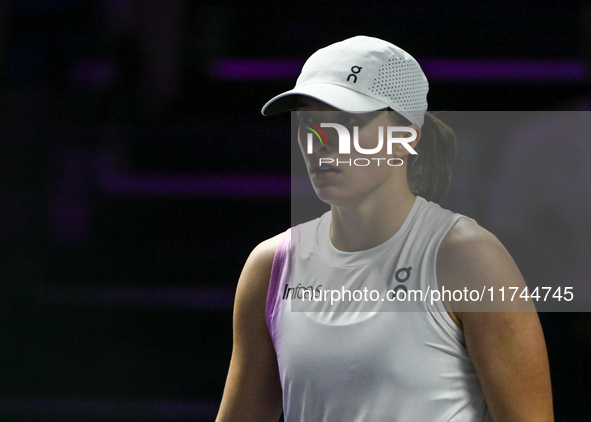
136 177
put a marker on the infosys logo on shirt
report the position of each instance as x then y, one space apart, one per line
317 293
345 143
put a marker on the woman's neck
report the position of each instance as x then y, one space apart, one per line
369 224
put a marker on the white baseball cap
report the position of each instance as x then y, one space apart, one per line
359 75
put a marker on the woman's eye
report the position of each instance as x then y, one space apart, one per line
305 118
347 119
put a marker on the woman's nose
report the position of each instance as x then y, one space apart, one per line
315 142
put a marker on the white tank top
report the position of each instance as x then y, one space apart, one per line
370 366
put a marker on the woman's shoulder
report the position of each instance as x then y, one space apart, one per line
264 253
467 241
255 276
472 257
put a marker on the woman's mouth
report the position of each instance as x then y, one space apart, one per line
325 172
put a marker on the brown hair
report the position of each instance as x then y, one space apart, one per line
429 172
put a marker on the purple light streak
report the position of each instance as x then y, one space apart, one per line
70 407
192 185
503 70
139 297
238 69
436 69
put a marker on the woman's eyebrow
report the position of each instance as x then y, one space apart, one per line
302 104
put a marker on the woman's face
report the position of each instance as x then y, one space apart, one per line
336 178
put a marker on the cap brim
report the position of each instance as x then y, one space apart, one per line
336 96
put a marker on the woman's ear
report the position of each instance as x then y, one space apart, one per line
400 150
416 141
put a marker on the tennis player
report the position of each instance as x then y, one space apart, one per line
408 361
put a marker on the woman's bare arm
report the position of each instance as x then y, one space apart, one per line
507 348
253 390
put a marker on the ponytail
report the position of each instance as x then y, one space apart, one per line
429 172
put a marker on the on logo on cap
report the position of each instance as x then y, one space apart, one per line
354 74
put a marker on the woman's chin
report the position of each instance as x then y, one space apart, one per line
331 195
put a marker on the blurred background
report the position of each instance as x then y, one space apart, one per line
137 174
